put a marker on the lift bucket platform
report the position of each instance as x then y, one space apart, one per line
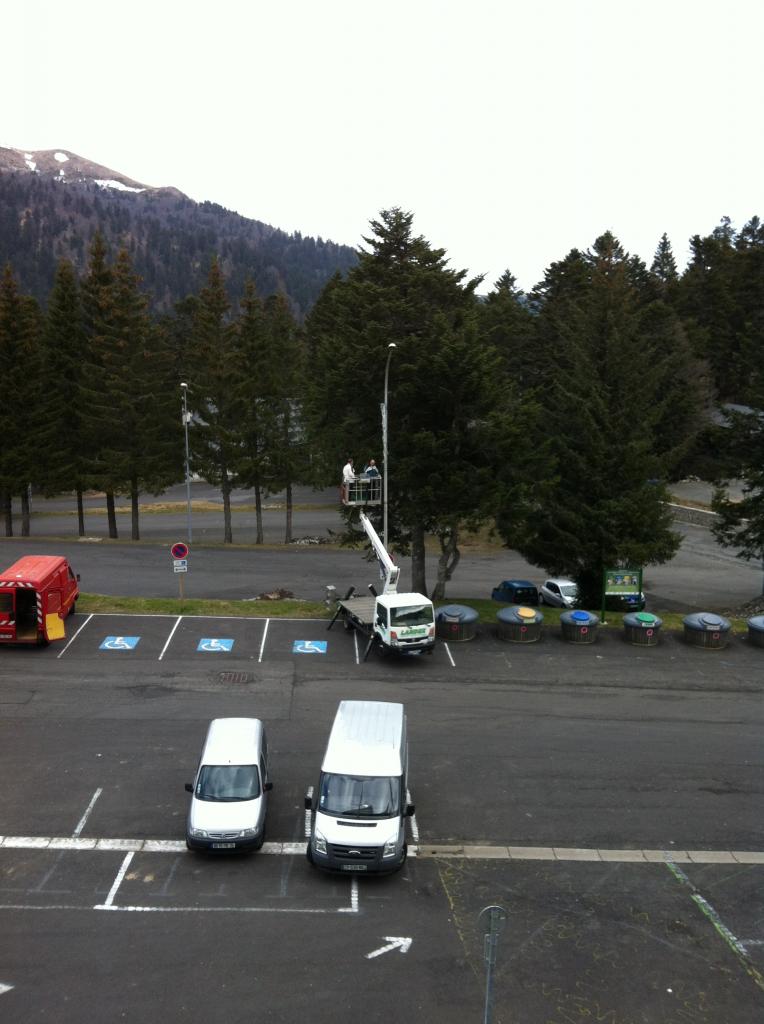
366 490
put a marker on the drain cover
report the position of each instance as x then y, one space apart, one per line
235 677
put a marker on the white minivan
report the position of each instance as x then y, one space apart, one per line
358 815
229 793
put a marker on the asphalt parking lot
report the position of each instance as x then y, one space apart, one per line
609 798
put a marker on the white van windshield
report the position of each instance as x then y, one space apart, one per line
228 782
360 796
411 615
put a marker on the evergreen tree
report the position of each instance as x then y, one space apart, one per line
216 437
63 455
506 322
20 366
605 396
448 399
663 267
100 433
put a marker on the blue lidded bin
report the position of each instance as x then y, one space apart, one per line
579 627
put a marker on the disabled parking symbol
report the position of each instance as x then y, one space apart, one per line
309 647
119 643
213 643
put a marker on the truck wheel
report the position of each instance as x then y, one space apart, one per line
72 610
308 853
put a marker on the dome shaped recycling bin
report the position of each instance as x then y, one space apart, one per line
756 630
455 622
641 628
707 630
579 627
519 624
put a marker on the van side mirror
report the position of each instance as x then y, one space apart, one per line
410 809
267 787
189 787
309 803
78 577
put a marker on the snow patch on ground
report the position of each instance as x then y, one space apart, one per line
30 162
110 183
61 157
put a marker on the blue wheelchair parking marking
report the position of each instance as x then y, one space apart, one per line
213 643
309 647
119 643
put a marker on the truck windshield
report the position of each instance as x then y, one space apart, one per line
360 796
411 615
228 782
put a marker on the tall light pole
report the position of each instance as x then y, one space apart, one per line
184 392
390 349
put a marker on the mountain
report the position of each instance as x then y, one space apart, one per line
52 202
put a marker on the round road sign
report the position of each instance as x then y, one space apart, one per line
179 550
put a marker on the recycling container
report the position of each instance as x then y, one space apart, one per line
706 630
579 627
519 624
641 628
756 630
456 622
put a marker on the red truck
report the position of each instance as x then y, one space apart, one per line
36 595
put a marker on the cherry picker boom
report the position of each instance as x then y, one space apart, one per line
399 623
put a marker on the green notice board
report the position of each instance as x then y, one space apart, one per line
622 581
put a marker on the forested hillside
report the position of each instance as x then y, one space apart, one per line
170 238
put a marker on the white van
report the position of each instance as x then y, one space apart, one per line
358 820
229 794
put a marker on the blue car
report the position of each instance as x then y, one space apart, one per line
516 592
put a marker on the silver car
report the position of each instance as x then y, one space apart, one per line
558 593
230 791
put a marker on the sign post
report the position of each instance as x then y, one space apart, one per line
179 554
495 918
623 582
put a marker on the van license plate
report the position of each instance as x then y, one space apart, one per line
224 846
353 867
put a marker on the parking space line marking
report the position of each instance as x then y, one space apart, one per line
737 947
86 815
117 882
448 652
62 653
262 644
355 646
206 910
169 638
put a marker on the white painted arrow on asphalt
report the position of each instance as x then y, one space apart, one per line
4 988
393 942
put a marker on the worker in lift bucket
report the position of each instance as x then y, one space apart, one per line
371 469
348 477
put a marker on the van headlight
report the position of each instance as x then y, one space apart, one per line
248 833
390 848
197 833
319 843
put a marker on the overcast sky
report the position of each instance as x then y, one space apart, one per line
514 131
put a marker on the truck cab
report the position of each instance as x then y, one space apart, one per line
405 622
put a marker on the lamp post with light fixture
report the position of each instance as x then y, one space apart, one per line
390 349
184 392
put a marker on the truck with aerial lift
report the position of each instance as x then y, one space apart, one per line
395 623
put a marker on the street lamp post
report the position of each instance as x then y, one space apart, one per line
390 348
184 392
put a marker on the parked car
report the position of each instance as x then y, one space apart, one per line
516 592
625 602
558 593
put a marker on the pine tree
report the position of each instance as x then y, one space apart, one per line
216 437
604 398
20 366
663 267
448 398
64 342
